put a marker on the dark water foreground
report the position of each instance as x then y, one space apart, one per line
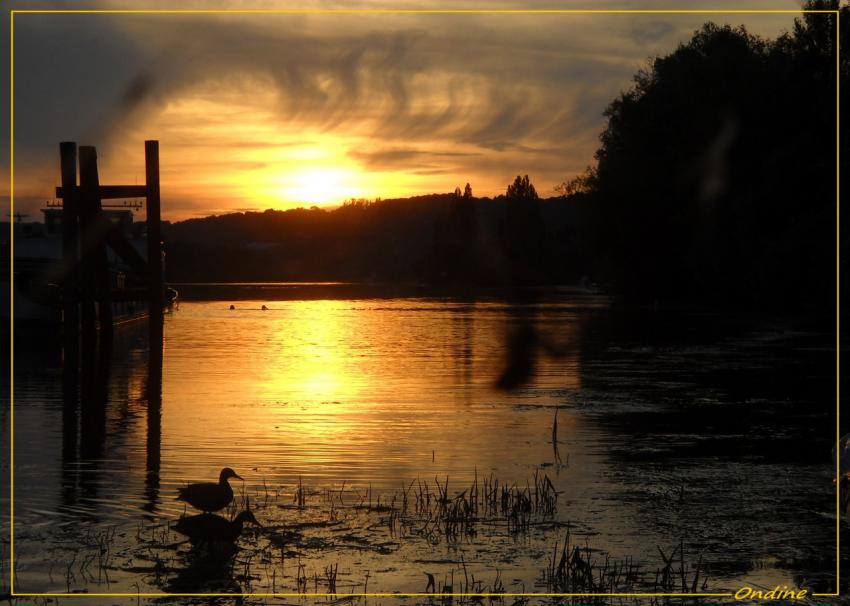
356 424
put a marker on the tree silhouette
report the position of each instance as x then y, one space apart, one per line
467 191
522 189
706 188
580 184
523 231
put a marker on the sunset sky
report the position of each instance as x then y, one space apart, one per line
257 111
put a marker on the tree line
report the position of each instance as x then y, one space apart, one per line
447 239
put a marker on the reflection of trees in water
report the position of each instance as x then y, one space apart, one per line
528 342
464 347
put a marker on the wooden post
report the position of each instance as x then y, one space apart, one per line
88 319
155 333
94 238
155 282
70 253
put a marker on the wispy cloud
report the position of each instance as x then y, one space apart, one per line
450 97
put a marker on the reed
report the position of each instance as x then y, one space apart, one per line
300 497
330 577
574 569
432 510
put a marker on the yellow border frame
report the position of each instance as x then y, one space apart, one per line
12 14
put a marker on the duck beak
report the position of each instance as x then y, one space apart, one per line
237 476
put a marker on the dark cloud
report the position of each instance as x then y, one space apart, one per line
72 80
651 31
432 170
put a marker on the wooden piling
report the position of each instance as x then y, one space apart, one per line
70 252
88 316
155 320
95 238
155 281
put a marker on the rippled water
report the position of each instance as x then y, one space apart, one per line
710 431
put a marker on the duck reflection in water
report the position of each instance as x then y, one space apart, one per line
209 568
210 562
212 528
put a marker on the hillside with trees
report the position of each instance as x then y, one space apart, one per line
440 238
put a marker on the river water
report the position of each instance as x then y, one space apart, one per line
703 431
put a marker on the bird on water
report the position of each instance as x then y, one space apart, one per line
212 528
210 496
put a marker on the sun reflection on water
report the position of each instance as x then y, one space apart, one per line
348 389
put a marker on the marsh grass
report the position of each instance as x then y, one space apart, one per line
304 529
573 568
338 541
454 517
669 578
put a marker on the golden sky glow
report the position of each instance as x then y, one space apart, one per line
278 111
252 159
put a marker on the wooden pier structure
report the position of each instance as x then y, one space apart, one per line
87 292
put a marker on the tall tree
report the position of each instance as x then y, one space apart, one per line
522 189
715 177
523 232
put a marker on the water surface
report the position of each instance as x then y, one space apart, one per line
672 428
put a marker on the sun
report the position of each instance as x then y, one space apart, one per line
315 175
321 185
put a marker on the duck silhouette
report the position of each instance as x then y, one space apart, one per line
212 528
209 496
